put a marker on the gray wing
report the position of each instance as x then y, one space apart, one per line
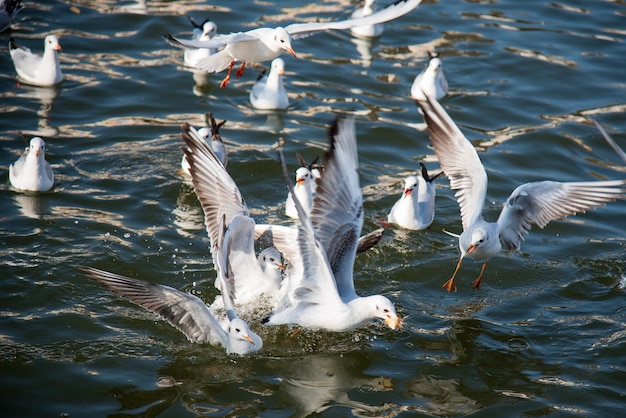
369 240
213 43
17 167
610 141
23 59
390 12
216 190
185 312
458 159
337 212
541 202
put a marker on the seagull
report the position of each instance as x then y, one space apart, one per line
610 140
416 207
201 32
269 92
303 190
8 10
220 198
31 172
265 44
531 203
430 81
38 70
324 248
217 144
186 312
366 31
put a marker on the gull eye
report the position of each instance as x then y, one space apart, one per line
385 310
237 329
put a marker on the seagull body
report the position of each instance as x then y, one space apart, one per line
531 203
211 135
221 201
269 92
322 254
265 44
303 190
416 207
8 10
366 31
201 32
186 312
31 172
38 70
431 81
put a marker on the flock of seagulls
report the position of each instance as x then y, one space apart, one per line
305 274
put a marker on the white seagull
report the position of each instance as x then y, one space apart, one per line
367 7
8 10
431 81
268 92
303 190
212 136
31 172
324 248
201 32
220 198
610 140
264 44
38 70
184 311
531 203
416 207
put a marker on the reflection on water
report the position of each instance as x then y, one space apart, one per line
32 205
46 97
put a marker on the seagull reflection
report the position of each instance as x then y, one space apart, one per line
32 205
46 97
364 47
316 383
188 216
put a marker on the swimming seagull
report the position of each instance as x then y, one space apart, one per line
610 140
31 172
264 44
201 32
324 248
185 312
8 10
269 92
431 81
531 203
416 207
220 198
366 8
303 190
37 70
212 136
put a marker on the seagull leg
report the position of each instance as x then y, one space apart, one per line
226 79
239 72
476 283
449 285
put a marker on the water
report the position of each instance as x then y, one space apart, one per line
545 335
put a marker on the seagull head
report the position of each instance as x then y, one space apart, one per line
271 257
409 185
209 29
387 312
239 330
37 146
282 40
53 42
278 65
303 176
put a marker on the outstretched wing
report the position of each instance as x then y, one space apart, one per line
337 212
185 312
541 202
392 11
458 159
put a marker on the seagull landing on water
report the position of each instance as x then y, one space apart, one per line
265 44
531 203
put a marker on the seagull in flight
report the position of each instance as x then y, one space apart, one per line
265 44
531 203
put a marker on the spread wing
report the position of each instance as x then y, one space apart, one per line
216 190
458 159
392 11
541 202
185 312
337 212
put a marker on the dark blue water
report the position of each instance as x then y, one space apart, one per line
545 335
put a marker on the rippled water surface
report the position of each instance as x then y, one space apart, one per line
544 336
